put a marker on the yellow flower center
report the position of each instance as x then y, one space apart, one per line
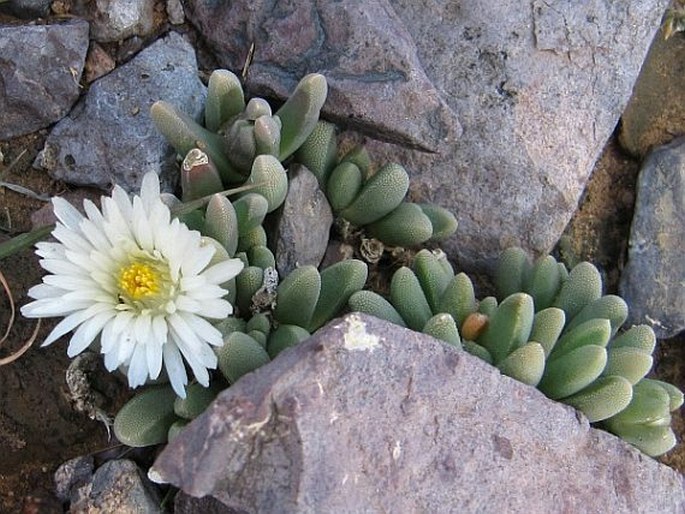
138 280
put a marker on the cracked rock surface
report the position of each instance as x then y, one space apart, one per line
352 421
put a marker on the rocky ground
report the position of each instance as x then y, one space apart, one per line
39 426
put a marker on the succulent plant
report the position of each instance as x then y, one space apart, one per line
547 327
373 201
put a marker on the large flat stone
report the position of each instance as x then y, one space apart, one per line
537 88
653 281
366 416
40 69
109 137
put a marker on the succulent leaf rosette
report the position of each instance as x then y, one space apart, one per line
137 283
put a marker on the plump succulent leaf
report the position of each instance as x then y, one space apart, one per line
512 272
477 350
343 185
297 296
374 304
631 363
260 322
433 277
404 226
270 180
261 257
509 326
408 298
651 440
300 113
176 428
650 403
251 210
442 326
284 337
267 135
595 331
458 299
255 237
319 152
225 99
239 355
184 134
145 419
221 223
637 336
675 395
603 398
258 336
573 371
359 156
247 283
338 282
198 398
199 176
488 306
543 281
610 307
525 364
583 286
380 195
547 327
444 223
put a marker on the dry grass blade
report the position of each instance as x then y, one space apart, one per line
10 323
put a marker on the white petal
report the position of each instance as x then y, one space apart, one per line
41 291
111 361
73 320
69 283
173 363
195 261
60 267
137 369
215 309
142 328
95 234
149 190
71 240
141 226
223 271
204 330
50 250
159 330
123 203
85 334
191 346
206 293
66 213
154 358
49 307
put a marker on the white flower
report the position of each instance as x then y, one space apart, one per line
141 281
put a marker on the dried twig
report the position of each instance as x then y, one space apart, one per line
10 323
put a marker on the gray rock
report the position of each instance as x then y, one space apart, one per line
119 486
303 226
72 475
174 11
538 89
366 416
656 111
109 137
653 281
40 68
113 20
366 54
26 8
